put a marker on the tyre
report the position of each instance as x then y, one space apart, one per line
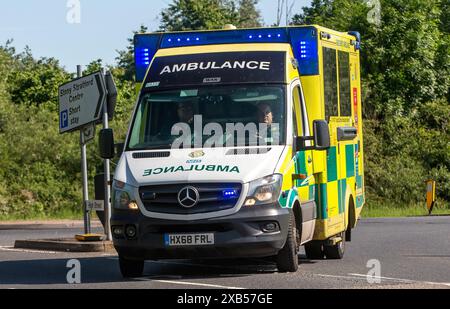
336 251
348 234
314 251
287 258
131 268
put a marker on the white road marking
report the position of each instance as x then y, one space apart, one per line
6 248
339 276
193 284
354 276
402 280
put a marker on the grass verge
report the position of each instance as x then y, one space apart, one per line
62 215
380 210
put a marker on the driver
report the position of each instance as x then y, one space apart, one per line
265 120
265 114
185 112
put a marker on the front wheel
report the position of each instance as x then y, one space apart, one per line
287 258
131 268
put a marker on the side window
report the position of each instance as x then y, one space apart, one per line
344 84
330 82
298 123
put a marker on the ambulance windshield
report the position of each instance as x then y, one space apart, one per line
210 116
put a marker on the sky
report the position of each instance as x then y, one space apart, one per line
103 27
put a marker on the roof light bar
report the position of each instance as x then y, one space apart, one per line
302 39
265 35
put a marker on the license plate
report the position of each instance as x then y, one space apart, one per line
172 240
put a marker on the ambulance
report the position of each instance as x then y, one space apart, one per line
242 143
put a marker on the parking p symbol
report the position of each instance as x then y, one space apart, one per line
64 119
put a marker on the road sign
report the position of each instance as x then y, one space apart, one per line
81 102
431 194
95 205
88 133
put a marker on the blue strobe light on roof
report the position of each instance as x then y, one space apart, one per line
265 35
145 48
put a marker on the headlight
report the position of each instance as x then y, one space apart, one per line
123 196
264 190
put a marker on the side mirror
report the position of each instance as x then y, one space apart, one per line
106 143
321 135
119 149
321 138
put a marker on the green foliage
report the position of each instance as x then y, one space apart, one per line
406 78
195 15
40 169
125 59
249 15
405 61
209 14
31 81
400 155
403 56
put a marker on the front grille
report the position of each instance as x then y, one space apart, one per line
164 198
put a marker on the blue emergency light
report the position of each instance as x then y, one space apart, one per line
302 39
229 193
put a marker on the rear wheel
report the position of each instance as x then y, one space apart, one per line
314 251
336 251
131 268
287 258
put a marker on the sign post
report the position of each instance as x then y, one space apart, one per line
107 203
84 172
81 103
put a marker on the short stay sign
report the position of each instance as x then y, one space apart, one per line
81 102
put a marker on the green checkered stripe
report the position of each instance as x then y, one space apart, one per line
286 199
319 192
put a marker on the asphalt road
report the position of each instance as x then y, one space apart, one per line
412 252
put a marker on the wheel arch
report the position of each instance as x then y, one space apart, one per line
305 225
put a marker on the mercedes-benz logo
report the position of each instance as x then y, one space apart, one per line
188 197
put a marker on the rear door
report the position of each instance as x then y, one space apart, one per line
339 114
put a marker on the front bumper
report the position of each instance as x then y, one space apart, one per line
239 235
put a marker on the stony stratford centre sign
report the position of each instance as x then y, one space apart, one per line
81 102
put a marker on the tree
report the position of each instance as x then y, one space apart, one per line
406 77
184 15
194 15
39 168
35 82
402 60
249 15
125 59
